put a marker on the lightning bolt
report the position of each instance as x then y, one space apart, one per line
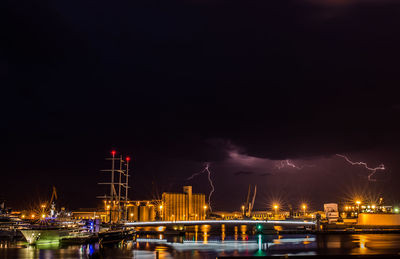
206 169
288 163
372 170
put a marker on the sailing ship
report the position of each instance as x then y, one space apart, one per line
116 203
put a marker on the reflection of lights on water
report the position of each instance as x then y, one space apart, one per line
160 228
91 249
243 229
363 240
205 229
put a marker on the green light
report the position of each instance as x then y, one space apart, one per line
396 210
259 227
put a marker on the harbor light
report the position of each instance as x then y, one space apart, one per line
276 208
358 202
304 207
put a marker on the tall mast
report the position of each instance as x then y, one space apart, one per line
112 178
119 186
126 187
114 199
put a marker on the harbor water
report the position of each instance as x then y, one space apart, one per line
206 244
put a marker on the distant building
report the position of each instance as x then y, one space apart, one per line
89 213
256 215
228 215
145 210
183 206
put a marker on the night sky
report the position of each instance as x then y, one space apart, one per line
243 85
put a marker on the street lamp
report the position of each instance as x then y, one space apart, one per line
243 210
358 207
304 207
276 209
161 211
205 211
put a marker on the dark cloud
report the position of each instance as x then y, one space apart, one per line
245 173
341 3
265 174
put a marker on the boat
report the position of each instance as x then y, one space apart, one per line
79 237
115 235
10 226
44 234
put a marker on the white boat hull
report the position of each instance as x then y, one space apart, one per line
44 236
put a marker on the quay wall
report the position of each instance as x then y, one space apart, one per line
379 219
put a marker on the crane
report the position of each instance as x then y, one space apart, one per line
52 204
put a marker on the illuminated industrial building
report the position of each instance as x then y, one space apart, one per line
183 206
143 210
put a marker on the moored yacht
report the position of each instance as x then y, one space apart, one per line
45 234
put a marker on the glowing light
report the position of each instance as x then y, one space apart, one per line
372 170
128 159
358 202
288 163
113 153
160 228
206 169
33 216
23 216
195 222
43 216
161 207
396 210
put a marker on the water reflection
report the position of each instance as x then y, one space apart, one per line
205 242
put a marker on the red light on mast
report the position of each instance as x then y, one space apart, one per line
113 152
128 158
